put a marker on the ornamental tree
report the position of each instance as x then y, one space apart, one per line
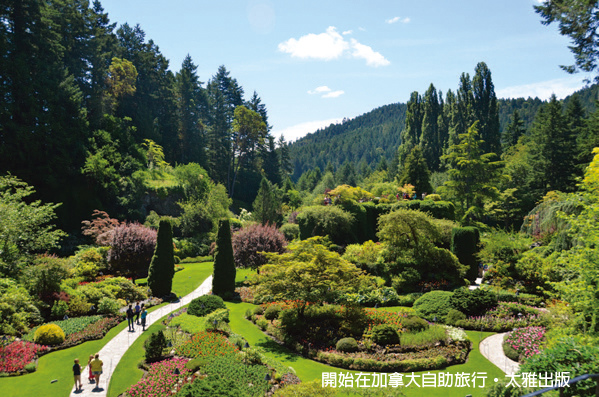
162 267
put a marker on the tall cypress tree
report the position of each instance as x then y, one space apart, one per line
429 140
162 266
485 109
410 135
223 281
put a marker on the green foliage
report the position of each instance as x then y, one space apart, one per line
473 302
223 281
44 277
59 309
201 215
154 346
431 336
291 231
49 334
272 312
266 208
189 323
306 389
162 266
464 245
212 387
327 220
25 226
217 317
416 172
89 262
108 306
347 345
17 309
385 334
367 256
205 305
453 316
434 304
414 324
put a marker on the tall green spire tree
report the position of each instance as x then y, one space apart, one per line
223 281
429 140
485 109
410 135
416 172
162 266
267 206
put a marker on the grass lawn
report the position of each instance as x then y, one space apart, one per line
309 370
187 279
56 366
126 372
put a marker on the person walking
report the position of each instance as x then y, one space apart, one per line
96 366
137 312
89 367
130 316
144 314
77 375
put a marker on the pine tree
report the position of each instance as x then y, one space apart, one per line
271 162
416 172
513 131
223 281
267 206
162 266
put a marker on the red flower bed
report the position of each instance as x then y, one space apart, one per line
15 356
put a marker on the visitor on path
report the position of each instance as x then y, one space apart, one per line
130 316
77 375
144 314
96 366
137 312
89 367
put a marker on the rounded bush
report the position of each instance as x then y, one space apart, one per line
108 306
272 312
49 334
259 310
434 304
414 324
473 303
385 334
347 345
253 239
454 316
205 304
291 231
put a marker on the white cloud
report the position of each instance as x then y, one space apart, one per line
345 33
331 45
398 19
333 94
544 89
319 90
299 130
326 46
372 57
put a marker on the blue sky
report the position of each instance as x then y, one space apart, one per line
314 62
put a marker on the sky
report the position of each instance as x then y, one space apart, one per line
313 63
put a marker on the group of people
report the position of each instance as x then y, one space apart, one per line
135 314
407 196
94 365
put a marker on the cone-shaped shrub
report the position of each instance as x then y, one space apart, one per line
223 281
464 244
162 267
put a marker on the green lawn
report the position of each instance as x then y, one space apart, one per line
187 279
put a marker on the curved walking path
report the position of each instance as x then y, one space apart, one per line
492 349
114 350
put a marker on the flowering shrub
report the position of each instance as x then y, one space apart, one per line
207 345
246 294
160 379
16 355
253 239
526 341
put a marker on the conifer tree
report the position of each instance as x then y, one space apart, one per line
513 131
429 140
162 266
410 136
485 109
223 281
416 172
267 206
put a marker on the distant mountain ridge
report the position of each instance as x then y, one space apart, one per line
377 133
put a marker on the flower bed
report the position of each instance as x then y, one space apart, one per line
16 355
160 379
93 331
206 345
69 326
526 342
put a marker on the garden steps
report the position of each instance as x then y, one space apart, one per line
492 349
114 350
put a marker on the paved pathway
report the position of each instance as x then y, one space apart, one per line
492 349
112 352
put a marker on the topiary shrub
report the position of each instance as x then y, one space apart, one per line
464 245
49 334
347 345
223 280
205 304
162 266
132 247
454 316
434 304
473 302
291 231
253 239
154 346
327 220
414 324
385 334
272 312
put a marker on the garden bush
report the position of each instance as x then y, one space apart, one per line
49 334
384 335
219 315
464 245
59 309
17 309
223 280
473 302
205 305
414 324
78 306
429 337
154 346
162 265
259 310
454 316
434 304
347 345
108 306
262 323
272 312
327 220
189 324
43 278
132 247
253 239
510 352
291 231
